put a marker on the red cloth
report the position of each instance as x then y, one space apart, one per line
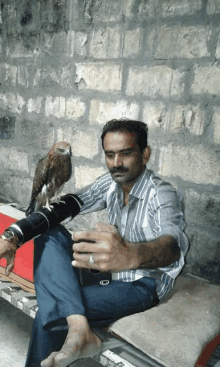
207 352
24 256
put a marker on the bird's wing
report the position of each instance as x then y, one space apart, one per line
40 179
59 172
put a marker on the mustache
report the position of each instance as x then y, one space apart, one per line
118 170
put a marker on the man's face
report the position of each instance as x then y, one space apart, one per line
123 157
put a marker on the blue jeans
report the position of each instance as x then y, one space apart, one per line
59 294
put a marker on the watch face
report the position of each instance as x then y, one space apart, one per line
8 235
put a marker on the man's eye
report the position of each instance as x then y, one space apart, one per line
109 155
126 154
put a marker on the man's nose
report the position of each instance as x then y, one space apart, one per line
117 160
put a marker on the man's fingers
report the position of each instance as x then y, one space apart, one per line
82 260
84 236
8 269
90 236
89 247
10 264
48 362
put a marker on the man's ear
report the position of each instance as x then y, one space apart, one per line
146 154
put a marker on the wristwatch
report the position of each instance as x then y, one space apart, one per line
10 236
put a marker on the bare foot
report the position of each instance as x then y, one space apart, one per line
81 342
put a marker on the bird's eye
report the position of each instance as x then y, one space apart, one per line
62 150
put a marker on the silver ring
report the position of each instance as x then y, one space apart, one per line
91 260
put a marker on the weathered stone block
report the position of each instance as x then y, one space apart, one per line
65 132
85 175
34 105
23 76
53 15
17 189
22 45
204 247
49 76
132 43
55 43
148 8
7 127
129 4
155 80
182 42
105 43
107 10
98 44
218 48
55 106
83 144
75 108
14 159
213 7
207 80
2 73
150 39
190 117
203 257
45 77
155 114
76 42
36 134
168 7
216 126
203 208
180 7
3 101
197 164
10 74
11 101
65 43
217 54
101 112
106 77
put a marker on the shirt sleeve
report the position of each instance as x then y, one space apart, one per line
167 217
94 196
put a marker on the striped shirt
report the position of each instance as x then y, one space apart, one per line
154 209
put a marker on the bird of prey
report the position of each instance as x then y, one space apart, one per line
51 174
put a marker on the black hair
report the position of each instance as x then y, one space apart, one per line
124 125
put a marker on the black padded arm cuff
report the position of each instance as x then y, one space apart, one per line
39 222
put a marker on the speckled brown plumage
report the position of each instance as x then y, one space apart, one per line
51 174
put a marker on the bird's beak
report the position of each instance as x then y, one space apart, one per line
68 152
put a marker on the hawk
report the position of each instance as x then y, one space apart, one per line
50 176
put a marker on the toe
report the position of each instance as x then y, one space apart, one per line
63 359
48 362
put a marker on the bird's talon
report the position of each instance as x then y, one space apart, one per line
49 207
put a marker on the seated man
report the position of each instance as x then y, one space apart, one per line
143 248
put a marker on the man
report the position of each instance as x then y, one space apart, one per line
143 248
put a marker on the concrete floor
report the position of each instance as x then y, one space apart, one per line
15 331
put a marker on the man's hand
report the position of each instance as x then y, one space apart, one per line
109 251
8 250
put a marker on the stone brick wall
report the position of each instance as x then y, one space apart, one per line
68 66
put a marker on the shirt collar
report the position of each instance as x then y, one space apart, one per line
139 188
